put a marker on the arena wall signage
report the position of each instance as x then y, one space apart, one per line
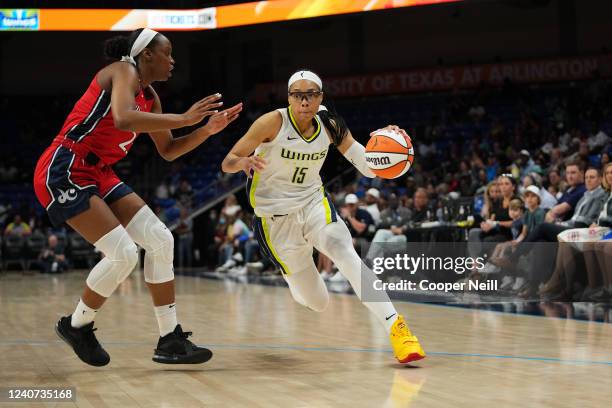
19 19
234 15
462 77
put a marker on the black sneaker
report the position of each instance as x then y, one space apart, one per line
83 341
174 348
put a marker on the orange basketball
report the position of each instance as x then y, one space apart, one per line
389 154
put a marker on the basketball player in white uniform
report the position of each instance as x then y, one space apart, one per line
293 213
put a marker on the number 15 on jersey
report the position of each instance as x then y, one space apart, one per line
299 174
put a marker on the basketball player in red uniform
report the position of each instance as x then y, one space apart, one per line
74 181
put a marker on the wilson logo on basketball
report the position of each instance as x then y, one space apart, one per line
389 154
378 161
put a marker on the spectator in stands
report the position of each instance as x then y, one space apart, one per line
52 258
392 228
598 256
554 192
547 200
555 182
481 182
526 164
219 234
495 228
230 205
567 203
604 160
411 186
420 206
556 160
587 211
533 216
372 199
184 232
162 191
18 227
498 229
581 157
516 210
184 194
359 222
466 177
598 140
492 167
230 253
492 196
564 138
427 149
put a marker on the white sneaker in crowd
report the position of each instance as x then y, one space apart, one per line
237 271
518 283
255 267
230 263
490 268
506 283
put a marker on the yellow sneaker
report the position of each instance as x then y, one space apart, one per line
406 347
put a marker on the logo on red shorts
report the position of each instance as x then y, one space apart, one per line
68 195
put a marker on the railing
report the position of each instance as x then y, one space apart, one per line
213 194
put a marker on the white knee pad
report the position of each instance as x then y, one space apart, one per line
120 257
157 240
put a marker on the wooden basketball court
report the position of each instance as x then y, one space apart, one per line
270 351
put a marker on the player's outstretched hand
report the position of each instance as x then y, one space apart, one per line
220 120
253 163
201 109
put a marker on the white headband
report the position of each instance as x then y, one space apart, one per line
309 75
141 42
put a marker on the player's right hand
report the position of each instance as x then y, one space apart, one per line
253 163
393 128
201 109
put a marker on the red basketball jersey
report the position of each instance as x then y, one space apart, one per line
90 123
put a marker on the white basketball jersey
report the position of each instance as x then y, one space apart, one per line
291 178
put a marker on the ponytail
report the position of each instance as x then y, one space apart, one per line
120 45
116 47
335 124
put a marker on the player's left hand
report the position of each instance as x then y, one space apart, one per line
220 120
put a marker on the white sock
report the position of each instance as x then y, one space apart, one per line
357 274
384 311
82 315
166 318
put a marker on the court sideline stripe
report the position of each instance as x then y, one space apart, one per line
328 349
